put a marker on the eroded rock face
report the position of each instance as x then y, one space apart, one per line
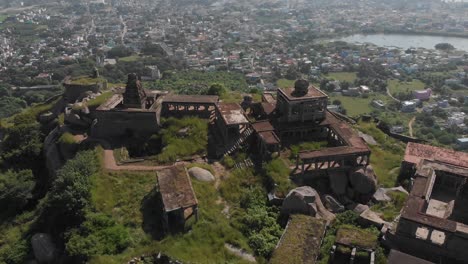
201 174
364 180
301 200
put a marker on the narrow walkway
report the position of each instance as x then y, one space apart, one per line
410 126
391 96
111 164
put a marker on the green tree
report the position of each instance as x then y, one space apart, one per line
292 73
71 191
216 89
15 190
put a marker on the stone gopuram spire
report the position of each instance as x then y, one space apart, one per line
134 95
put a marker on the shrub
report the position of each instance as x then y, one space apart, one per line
67 138
277 171
98 235
15 190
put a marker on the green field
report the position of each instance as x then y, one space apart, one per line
285 83
3 18
356 106
342 76
396 86
130 58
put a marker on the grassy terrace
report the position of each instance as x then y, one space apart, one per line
301 241
130 58
395 86
86 80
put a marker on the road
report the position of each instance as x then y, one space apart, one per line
124 30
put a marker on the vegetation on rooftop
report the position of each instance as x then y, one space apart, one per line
182 138
296 244
390 210
195 82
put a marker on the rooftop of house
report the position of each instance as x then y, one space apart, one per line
176 188
416 152
312 93
301 240
232 114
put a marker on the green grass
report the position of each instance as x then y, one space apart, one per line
86 80
356 106
67 138
279 172
99 100
285 83
3 18
178 146
301 241
386 157
129 58
354 236
342 76
390 210
203 244
233 184
395 86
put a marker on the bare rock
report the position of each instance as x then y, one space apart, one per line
301 200
201 174
364 180
43 248
338 182
333 205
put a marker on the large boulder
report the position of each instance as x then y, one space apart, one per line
201 174
301 200
43 248
338 182
364 180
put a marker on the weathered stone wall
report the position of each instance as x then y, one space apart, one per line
123 123
74 91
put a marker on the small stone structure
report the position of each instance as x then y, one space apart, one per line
178 198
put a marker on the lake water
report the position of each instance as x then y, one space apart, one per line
407 41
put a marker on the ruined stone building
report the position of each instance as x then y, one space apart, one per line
434 221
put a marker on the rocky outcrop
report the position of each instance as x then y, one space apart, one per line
43 248
52 153
201 174
305 200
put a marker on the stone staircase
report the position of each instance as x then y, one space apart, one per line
247 163
239 142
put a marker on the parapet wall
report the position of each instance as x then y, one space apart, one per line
124 123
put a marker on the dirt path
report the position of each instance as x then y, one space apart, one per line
410 126
391 96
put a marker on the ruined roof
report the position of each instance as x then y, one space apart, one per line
300 242
269 137
262 126
232 113
414 208
416 152
268 98
397 257
200 99
268 108
332 152
312 93
176 188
